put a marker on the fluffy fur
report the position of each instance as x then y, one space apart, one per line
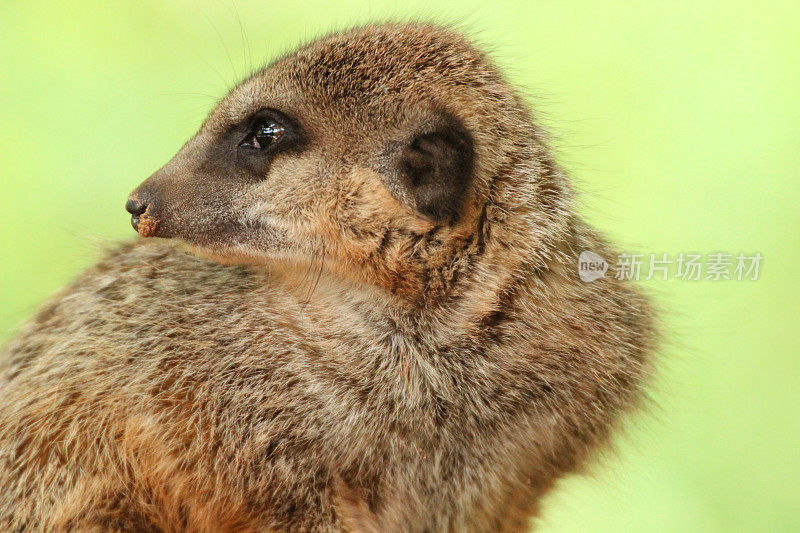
335 360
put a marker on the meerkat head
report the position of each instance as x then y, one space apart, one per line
392 152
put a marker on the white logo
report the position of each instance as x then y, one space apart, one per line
591 266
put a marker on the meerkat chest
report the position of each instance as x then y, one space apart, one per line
304 400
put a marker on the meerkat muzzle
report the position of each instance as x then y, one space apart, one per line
144 225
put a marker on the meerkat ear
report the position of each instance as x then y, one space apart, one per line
435 171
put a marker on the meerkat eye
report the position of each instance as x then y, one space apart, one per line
266 131
265 134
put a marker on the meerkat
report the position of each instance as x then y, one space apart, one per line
356 308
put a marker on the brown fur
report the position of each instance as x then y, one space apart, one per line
352 365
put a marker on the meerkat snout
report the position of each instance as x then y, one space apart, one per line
136 208
139 205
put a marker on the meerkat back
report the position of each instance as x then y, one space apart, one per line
354 306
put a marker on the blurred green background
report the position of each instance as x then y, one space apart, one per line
679 121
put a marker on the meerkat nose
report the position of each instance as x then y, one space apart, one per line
135 208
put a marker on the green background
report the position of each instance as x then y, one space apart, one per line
680 123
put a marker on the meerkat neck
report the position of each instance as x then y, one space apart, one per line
482 287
